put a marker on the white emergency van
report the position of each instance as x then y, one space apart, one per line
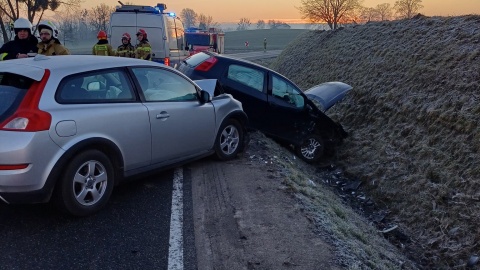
165 31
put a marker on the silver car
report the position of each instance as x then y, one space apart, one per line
72 127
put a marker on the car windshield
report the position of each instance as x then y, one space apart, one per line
13 88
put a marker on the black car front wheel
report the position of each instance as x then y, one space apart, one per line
229 140
86 184
311 149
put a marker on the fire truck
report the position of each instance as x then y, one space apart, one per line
199 40
165 31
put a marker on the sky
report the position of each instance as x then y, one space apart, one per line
284 10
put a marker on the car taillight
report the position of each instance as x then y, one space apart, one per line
166 61
13 167
207 64
28 116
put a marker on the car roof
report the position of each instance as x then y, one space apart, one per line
240 60
235 59
34 67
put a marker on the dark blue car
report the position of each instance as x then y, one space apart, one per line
274 104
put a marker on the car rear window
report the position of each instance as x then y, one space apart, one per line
13 88
196 59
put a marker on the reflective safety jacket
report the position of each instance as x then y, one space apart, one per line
103 48
126 51
143 50
53 47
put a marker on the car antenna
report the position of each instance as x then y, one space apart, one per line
120 2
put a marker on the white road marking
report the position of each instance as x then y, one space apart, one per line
175 250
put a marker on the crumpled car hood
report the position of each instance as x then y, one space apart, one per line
328 94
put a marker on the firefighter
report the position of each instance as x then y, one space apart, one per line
143 49
49 43
126 49
23 43
102 47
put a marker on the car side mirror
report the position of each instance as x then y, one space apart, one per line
205 96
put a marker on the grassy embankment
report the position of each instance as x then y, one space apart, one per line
413 119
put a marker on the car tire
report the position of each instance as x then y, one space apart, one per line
86 184
229 140
311 149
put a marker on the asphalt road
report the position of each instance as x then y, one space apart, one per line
132 232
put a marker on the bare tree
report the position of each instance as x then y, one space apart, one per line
272 24
384 11
261 24
189 17
34 9
369 14
5 26
99 16
406 9
333 12
205 22
73 25
67 26
243 24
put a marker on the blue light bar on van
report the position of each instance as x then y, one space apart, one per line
171 14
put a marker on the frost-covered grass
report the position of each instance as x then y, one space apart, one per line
358 244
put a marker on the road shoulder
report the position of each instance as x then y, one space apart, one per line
244 219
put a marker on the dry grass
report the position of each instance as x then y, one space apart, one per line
413 119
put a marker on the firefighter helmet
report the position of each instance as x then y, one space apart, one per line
48 25
142 32
127 36
102 34
22 23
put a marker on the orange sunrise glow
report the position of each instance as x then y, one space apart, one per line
285 10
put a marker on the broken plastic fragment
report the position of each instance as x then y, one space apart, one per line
472 261
454 231
387 230
361 197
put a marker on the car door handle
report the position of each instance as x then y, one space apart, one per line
163 115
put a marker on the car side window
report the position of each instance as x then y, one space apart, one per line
158 84
286 91
104 86
247 76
